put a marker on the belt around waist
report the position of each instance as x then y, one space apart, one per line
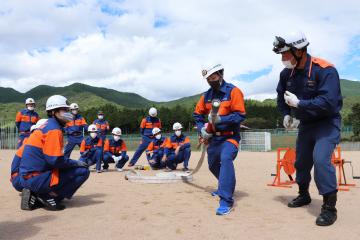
30 175
224 133
75 134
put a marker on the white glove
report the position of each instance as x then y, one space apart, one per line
204 134
114 157
287 121
216 120
291 99
295 123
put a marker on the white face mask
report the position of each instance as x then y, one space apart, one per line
30 108
65 117
116 138
288 64
178 133
74 112
101 117
93 135
158 136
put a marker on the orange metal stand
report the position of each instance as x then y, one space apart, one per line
285 160
339 165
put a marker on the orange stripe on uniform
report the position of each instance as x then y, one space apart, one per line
53 143
55 178
187 140
107 145
233 142
34 119
201 108
82 146
18 117
123 147
237 101
36 139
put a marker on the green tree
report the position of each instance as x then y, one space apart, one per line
354 118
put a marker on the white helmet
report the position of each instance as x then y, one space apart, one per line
92 128
74 106
177 126
38 124
56 101
295 40
116 131
156 131
153 112
29 101
207 72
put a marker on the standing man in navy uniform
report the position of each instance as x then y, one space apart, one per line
309 90
74 130
146 126
25 119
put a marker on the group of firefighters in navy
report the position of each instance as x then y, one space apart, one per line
309 96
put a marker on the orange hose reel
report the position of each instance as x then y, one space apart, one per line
285 160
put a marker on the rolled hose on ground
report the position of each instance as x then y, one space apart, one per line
166 177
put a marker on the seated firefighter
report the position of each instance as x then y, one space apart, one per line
91 148
178 149
155 151
115 151
46 176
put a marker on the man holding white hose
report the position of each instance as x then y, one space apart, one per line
223 134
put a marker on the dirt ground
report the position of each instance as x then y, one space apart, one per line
109 207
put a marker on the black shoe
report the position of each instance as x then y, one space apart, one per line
185 169
51 205
28 200
328 213
301 200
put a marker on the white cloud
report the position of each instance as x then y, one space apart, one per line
163 63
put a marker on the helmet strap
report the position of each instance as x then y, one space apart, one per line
298 59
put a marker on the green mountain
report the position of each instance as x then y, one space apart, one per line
88 97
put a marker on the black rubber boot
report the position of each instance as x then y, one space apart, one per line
328 213
28 200
51 204
301 200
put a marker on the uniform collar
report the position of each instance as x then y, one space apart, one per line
222 88
306 68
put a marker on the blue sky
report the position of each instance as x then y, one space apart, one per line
157 48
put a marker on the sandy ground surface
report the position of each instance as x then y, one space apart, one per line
109 207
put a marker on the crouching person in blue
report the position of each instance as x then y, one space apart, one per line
178 149
15 177
48 177
115 151
309 90
155 151
91 148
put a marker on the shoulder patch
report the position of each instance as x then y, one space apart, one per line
321 62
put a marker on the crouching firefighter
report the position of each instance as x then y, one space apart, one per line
155 151
91 148
223 106
309 90
115 151
48 177
15 177
178 149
